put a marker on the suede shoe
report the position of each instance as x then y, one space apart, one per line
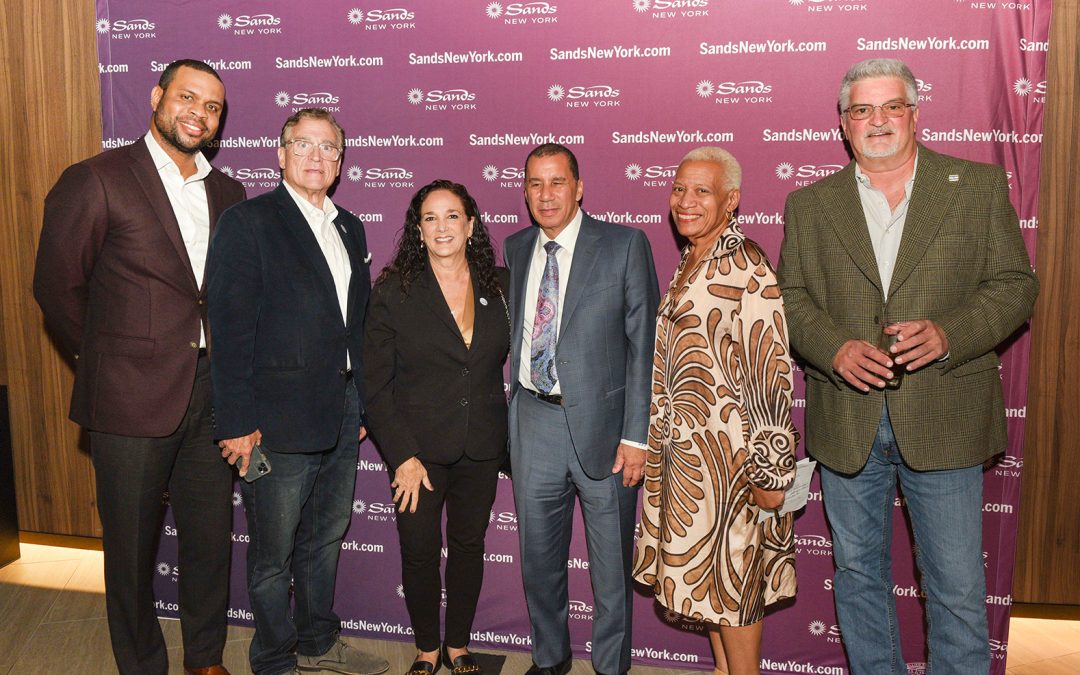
341 658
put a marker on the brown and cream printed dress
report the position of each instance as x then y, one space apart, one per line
719 420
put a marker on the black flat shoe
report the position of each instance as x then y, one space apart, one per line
462 665
421 667
561 668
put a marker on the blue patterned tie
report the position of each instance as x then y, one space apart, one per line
545 325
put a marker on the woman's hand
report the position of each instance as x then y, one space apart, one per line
767 499
407 481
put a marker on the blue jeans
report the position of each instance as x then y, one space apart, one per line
297 516
946 515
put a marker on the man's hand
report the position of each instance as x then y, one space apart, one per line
233 449
918 343
631 461
407 481
766 499
862 365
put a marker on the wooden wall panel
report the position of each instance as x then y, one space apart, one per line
1048 542
50 109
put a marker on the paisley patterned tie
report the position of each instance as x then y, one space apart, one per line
545 324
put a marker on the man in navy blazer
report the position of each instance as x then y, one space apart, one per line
288 288
583 309
119 279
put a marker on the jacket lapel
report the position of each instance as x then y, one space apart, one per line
845 213
295 223
586 250
519 260
146 175
358 259
428 287
930 198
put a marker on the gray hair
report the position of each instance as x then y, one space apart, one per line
732 170
871 68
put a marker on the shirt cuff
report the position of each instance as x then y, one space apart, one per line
639 446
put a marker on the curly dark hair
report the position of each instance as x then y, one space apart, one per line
410 258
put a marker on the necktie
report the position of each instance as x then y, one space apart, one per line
545 325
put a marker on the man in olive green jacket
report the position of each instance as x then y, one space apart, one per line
926 248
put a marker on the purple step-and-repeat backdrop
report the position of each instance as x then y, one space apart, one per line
463 90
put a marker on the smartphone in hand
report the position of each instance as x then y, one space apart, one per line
258 465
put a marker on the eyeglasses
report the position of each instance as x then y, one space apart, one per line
862 111
301 147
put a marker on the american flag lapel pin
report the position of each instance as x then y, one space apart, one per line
954 178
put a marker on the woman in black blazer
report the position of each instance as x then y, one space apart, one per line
435 341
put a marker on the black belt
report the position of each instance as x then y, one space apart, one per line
554 399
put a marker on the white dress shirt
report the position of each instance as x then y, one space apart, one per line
885 225
321 222
189 205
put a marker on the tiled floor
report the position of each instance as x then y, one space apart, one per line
52 620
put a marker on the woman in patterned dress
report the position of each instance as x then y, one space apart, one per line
721 441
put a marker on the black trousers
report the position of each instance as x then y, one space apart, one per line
132 476
467 488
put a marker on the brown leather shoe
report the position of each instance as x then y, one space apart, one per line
210 670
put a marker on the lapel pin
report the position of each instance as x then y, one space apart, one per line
954 177
483 301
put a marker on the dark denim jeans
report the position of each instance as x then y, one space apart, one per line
297 516
946 516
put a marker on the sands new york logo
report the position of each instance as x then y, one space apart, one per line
671 9
442 99
725 93
505 521
805 174
250 24
171 572
381 177
505 177
395 18
1032 91
813 544
819 628
924 88
376 511
652 176
591 96
1009 466
317 99
689 623
251 177
579 609
830 5
126 29
522 13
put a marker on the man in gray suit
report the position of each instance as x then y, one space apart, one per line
583 295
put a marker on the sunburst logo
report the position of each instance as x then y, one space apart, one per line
816 627
491 173
164 569
415 96
356 16
224 22
227 170
491 516
102 26
784 170
705 88
1022 86
494 10
358 506
796 2
237 499
282 99
400 590
556 92
355 174
671 616
633 171
642 5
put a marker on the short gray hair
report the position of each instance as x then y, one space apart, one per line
871 68
732 170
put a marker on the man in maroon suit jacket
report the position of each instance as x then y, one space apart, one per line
119 279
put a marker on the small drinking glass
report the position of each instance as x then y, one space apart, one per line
885 341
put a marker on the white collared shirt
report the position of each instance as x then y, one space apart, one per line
566 240
885 225
321 221
188 199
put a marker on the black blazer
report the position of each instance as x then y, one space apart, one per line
278 360
118 292
426 394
